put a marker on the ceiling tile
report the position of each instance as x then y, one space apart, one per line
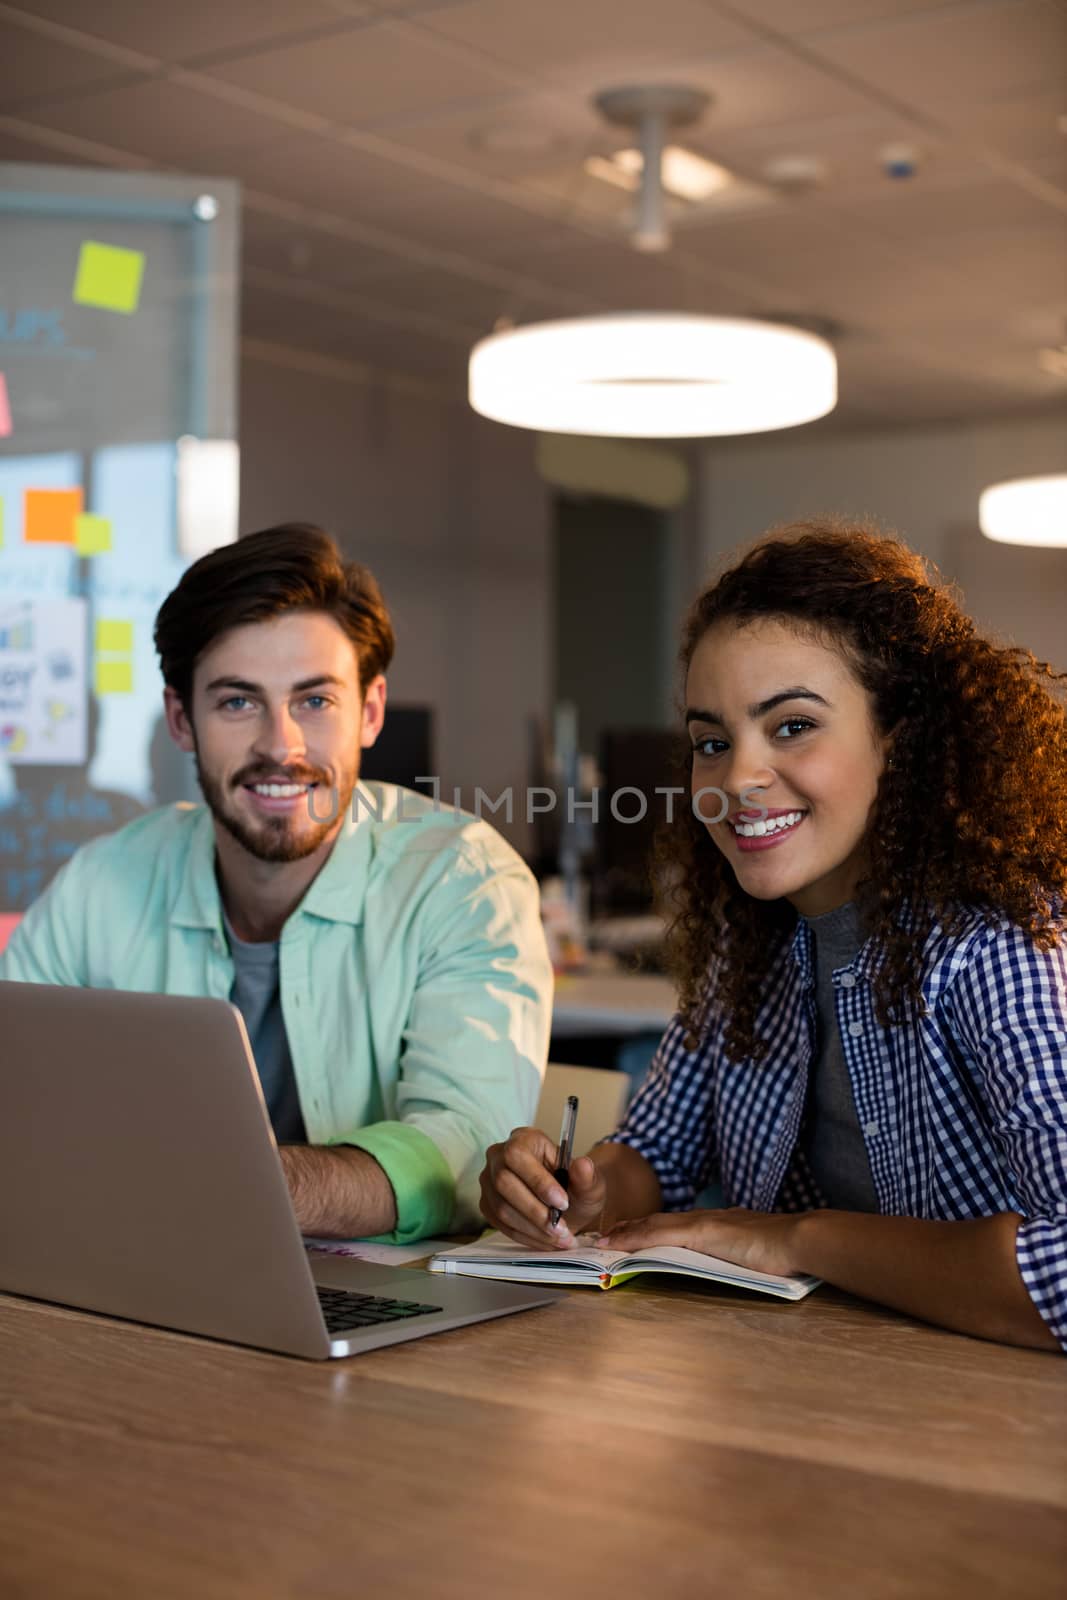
16 147
1007 269
173 125
1022 127
192 28
921 213
311 254
480 226
330 176
847 146
955 54
33 68
526 135
357 77
768 88
598 38
797 17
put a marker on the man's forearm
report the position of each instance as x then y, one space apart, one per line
960 1275
338 1192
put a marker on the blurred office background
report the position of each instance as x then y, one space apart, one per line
399 177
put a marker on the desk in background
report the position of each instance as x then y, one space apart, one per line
617 1003
610 1019
677 1442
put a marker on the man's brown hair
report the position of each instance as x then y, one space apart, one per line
293 567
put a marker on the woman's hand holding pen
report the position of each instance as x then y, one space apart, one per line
519 1190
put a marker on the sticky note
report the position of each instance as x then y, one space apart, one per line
108 277
5 408
114 636
50 515
92 535
114 677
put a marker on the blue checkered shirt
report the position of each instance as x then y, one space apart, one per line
963 1111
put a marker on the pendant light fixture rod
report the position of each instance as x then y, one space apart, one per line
650 111
650 231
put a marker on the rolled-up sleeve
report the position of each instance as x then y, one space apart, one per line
670 1120
1009 1006
475 1045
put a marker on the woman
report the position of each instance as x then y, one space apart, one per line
871 1048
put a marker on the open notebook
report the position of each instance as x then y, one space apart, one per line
495 1256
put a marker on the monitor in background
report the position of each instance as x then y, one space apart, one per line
403 751
645 759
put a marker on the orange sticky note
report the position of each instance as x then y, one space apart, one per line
50 515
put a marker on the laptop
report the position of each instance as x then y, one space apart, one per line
139 1177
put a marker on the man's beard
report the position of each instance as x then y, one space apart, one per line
274 838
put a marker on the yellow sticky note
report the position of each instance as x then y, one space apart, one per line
108 277
113 636
92 535
114 677
50 514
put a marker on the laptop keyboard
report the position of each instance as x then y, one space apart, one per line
342 1309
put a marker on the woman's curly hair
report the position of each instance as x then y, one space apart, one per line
972 814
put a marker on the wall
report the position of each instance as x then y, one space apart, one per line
924 483
450 515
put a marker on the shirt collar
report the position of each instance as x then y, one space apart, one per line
862 965
337 894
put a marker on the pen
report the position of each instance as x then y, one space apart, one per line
566 1146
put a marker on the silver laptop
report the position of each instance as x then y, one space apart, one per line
139 1177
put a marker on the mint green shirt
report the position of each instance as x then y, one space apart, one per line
415 983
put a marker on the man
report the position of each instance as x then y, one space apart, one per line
386 953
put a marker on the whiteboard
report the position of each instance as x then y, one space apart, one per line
118 305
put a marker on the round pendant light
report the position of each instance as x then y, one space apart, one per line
656 374
1026 511
653 375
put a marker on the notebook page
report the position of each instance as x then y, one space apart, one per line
696 1262
499 1249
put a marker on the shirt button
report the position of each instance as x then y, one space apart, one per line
871 1129
848 980
856 1029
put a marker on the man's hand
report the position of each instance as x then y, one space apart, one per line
762 1241
337 1192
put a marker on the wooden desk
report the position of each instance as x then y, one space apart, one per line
612 1002
648 1442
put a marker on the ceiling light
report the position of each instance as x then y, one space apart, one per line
608 170
686 176
653 375
1026 511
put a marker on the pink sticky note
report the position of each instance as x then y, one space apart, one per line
5 409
